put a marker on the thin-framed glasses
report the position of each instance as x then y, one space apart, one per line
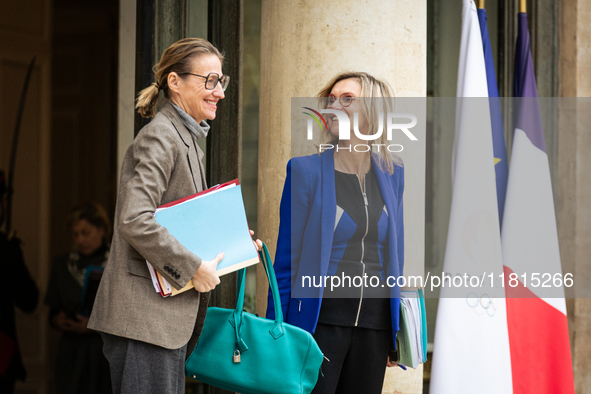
212 80
345 99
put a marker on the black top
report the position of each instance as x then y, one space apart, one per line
80 366
359 252
64 291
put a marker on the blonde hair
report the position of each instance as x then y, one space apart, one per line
176 58
372 90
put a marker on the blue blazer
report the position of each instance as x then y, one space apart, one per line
306 229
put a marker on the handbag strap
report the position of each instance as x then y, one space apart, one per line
237 315
277 330
268 264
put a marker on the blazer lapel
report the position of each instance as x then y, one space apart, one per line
385 188
200 156
390 200
329 208
185 135
195 166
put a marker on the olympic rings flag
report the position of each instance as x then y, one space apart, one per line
483 304
471 335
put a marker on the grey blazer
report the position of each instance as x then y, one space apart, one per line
162 164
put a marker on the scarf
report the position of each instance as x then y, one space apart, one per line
199 130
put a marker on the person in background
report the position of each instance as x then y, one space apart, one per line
341 215
80 366
17 288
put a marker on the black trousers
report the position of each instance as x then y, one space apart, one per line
142 368
6 386
358 358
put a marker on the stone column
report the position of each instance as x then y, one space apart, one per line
574 143
303 45
126 79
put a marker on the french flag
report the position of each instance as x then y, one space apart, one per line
536 315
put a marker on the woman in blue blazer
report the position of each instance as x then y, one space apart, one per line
341 239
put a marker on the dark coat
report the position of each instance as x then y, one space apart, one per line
18 289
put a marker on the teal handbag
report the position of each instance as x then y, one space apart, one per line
241 352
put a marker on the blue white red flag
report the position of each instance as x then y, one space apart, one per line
536 314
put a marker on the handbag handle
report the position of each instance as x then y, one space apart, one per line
277 330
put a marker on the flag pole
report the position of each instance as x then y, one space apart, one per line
523 6
481 4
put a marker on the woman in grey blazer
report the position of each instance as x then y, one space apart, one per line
147 336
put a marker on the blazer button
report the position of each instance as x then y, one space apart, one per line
166 268
178 276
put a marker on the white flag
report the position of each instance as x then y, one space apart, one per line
471 347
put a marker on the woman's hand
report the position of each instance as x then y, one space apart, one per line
258 243
63 322
206 277
80 325
390 364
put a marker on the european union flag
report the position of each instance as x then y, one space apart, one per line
499 149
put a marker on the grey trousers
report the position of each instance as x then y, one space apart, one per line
142 368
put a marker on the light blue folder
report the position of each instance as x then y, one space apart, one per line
210 224
423 323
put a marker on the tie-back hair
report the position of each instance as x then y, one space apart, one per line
176 58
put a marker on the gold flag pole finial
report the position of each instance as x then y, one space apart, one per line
522 5
481 4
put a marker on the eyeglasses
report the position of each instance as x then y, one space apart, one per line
212 80
345 99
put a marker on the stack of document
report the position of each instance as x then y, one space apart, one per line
162 286
208 223
412 335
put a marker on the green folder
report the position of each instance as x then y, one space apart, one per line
412 336
404 340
